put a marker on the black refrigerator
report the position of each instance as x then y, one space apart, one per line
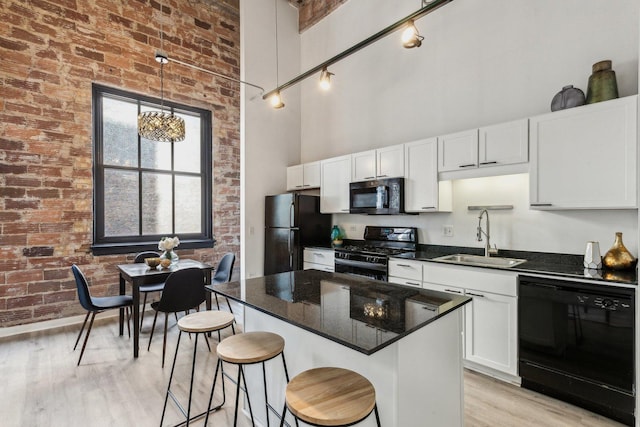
292 221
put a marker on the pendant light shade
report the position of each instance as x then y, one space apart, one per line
276 101
161 126
325 79
410 36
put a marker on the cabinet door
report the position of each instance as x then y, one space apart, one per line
295 177
504 144
335 300
458 151
363 166
364 334
585 157
334 191
390 161
311 175
407 269
324 257
421 176
491 331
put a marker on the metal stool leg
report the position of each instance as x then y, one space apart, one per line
193 369
266 401
173 367
213 387
375 409
246 392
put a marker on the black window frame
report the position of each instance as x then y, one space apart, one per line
103 245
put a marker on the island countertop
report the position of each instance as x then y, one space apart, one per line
335 305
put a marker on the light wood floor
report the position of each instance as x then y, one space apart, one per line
41 385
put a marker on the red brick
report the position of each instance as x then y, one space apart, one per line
14 317
13 290
43 287
13 239
26 301
60 296
24 276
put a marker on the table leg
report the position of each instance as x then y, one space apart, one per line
122 290
136 317
207 279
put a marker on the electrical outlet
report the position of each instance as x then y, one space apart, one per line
447 230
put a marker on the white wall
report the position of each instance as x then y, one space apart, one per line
482 62
270 139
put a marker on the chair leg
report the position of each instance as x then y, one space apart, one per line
217 303
207 341
86 338
153 326
164 338
128 310
82 329
144 305
229 305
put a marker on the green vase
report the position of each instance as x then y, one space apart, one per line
602 83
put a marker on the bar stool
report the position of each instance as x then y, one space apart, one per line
330 397
201 322
247 349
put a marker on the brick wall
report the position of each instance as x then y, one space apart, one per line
52 51
312 11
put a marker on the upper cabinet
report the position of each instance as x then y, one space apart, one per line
387 162
334 189
585 157
303 177
504 144
423 192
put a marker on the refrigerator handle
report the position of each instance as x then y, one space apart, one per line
291 213
290 251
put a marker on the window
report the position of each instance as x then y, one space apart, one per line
144 190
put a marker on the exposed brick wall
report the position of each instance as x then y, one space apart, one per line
52 51
312 11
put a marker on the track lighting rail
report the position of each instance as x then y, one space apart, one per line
430 7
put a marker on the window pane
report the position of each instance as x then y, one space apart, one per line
120 132
120 203
156 204
188 205
155 155
187 152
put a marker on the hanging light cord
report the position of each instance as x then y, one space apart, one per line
277 70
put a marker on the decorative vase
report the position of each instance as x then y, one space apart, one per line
619 257
336 236
592 259
568 97
170 255
602 83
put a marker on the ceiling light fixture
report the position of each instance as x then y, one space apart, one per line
427 8
276 101
158 125
325 79
410 36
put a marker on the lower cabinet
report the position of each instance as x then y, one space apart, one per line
319 259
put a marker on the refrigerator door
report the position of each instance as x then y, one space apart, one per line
281 250
280 210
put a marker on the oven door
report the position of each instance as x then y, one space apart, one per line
361 268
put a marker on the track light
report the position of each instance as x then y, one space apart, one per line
325 79
411 37
276 100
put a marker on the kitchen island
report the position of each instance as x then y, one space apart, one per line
406 341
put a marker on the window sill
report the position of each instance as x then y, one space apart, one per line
131 248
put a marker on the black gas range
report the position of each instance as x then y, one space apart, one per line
371 257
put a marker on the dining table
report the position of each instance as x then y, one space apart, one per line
138 274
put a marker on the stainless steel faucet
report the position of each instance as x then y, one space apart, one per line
488 250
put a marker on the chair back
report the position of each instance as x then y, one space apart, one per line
83 289
224 269
141 256
183 290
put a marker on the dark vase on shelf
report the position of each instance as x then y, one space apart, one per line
602 83
568 97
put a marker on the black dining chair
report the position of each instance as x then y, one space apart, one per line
95 305
151 287
183 290
222 275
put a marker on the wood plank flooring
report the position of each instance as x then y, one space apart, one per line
42 387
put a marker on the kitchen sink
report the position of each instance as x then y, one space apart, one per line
481 261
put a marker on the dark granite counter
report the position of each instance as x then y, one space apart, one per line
333 305
564 265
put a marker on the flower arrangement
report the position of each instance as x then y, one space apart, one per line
167 244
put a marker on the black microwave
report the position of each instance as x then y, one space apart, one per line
377 197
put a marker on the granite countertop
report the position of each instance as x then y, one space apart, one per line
564 265
333 305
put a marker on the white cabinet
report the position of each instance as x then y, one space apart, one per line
303 177
334 190
319 259
490 332
405 272
387 162
458 151
585 157
422 190
503 144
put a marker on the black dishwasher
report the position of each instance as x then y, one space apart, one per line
576 343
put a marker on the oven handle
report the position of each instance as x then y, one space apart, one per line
361 264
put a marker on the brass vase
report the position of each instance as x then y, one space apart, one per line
619 257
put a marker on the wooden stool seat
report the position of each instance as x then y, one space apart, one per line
330 397
250 347
205 321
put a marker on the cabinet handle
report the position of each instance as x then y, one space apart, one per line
475 295
369 177
328 269
424 307
299 186
540 204
488 163
428 207
306 185
382 176
454 291
413 283
344 210
318 254
369 326
403 265
467 166
346 288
